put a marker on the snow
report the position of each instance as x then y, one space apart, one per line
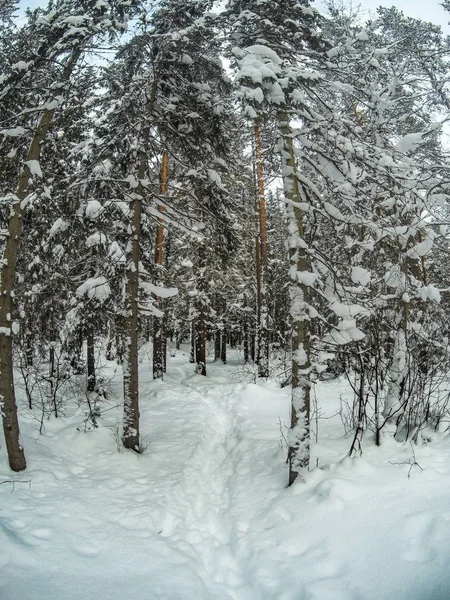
361 276
161 292
215 178
96 239
58 226
21 65
429 292
363 36
34 168
93 209
132 181
306 278
13 132
204 512
409 142
95 287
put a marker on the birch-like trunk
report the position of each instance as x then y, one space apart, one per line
394 403
299 433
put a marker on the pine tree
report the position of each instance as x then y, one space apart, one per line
57 47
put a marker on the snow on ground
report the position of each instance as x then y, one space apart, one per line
204 512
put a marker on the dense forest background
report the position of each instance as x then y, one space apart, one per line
256 175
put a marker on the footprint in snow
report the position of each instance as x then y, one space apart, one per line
77 470
421 532
329 590
41 534
16 524
87 551
4 559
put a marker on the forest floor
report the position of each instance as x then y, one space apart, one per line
204 513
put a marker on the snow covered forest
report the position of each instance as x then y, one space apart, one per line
224 302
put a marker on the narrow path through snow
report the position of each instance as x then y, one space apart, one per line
204 512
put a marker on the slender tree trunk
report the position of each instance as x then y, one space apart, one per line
193 353
252 343
299 433
51 356
158 322
130 436
119 338
257 336
245 339
223 346
263 337
164 343
109 345
8 271
90 349
8 265
217 345
201 356
131 324
29 352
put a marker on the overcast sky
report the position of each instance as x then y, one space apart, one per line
428 10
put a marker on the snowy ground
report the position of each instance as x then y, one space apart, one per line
205 513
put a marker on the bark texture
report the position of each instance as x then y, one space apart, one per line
261 261
90 349
8 267
15 451
298 438
158 322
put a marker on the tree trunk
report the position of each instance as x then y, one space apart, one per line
252 343
131 322
201 356
193 353
217 345
257 336
8 265
164 343
223 346
158 322
263 337
299 434
8 271
109 345
90 349
130 436
245 340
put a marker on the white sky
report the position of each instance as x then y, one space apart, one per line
428 10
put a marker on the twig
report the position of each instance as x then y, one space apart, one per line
412 462
14 481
